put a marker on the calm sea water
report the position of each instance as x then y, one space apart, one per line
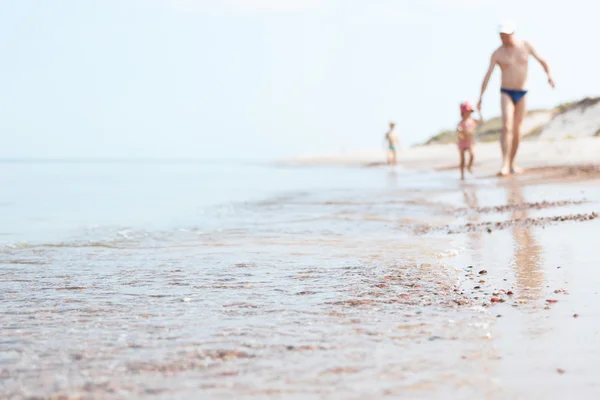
55 202
165 279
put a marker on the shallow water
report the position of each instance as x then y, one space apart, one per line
50 202
270 282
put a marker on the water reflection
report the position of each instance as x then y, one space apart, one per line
474 238
527 254
393 177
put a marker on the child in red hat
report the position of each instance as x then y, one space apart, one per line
466 136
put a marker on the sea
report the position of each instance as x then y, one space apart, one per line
119 203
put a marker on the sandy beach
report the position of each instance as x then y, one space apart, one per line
532 154
526 257
418 286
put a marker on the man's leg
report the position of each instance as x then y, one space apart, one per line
506 138
520 110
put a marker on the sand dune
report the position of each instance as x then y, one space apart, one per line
580 120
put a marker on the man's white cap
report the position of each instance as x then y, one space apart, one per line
506 27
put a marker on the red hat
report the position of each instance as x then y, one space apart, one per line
465 107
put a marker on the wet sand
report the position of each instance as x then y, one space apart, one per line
541 283
486 289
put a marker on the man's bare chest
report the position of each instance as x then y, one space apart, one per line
513 58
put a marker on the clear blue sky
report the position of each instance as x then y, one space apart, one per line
265 78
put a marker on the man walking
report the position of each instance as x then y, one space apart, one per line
512 58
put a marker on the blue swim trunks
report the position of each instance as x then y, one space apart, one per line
515 95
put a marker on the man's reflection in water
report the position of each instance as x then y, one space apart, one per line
527 256
474 238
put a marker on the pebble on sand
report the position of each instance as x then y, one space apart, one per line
482 272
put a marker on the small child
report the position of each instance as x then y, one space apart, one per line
466 132
392 139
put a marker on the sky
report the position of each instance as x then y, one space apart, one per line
263 79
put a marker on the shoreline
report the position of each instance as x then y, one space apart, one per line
532 153
406 289
528 262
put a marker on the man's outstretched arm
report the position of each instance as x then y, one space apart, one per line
542 62
486 80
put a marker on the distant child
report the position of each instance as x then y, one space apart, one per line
392 139
466 136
